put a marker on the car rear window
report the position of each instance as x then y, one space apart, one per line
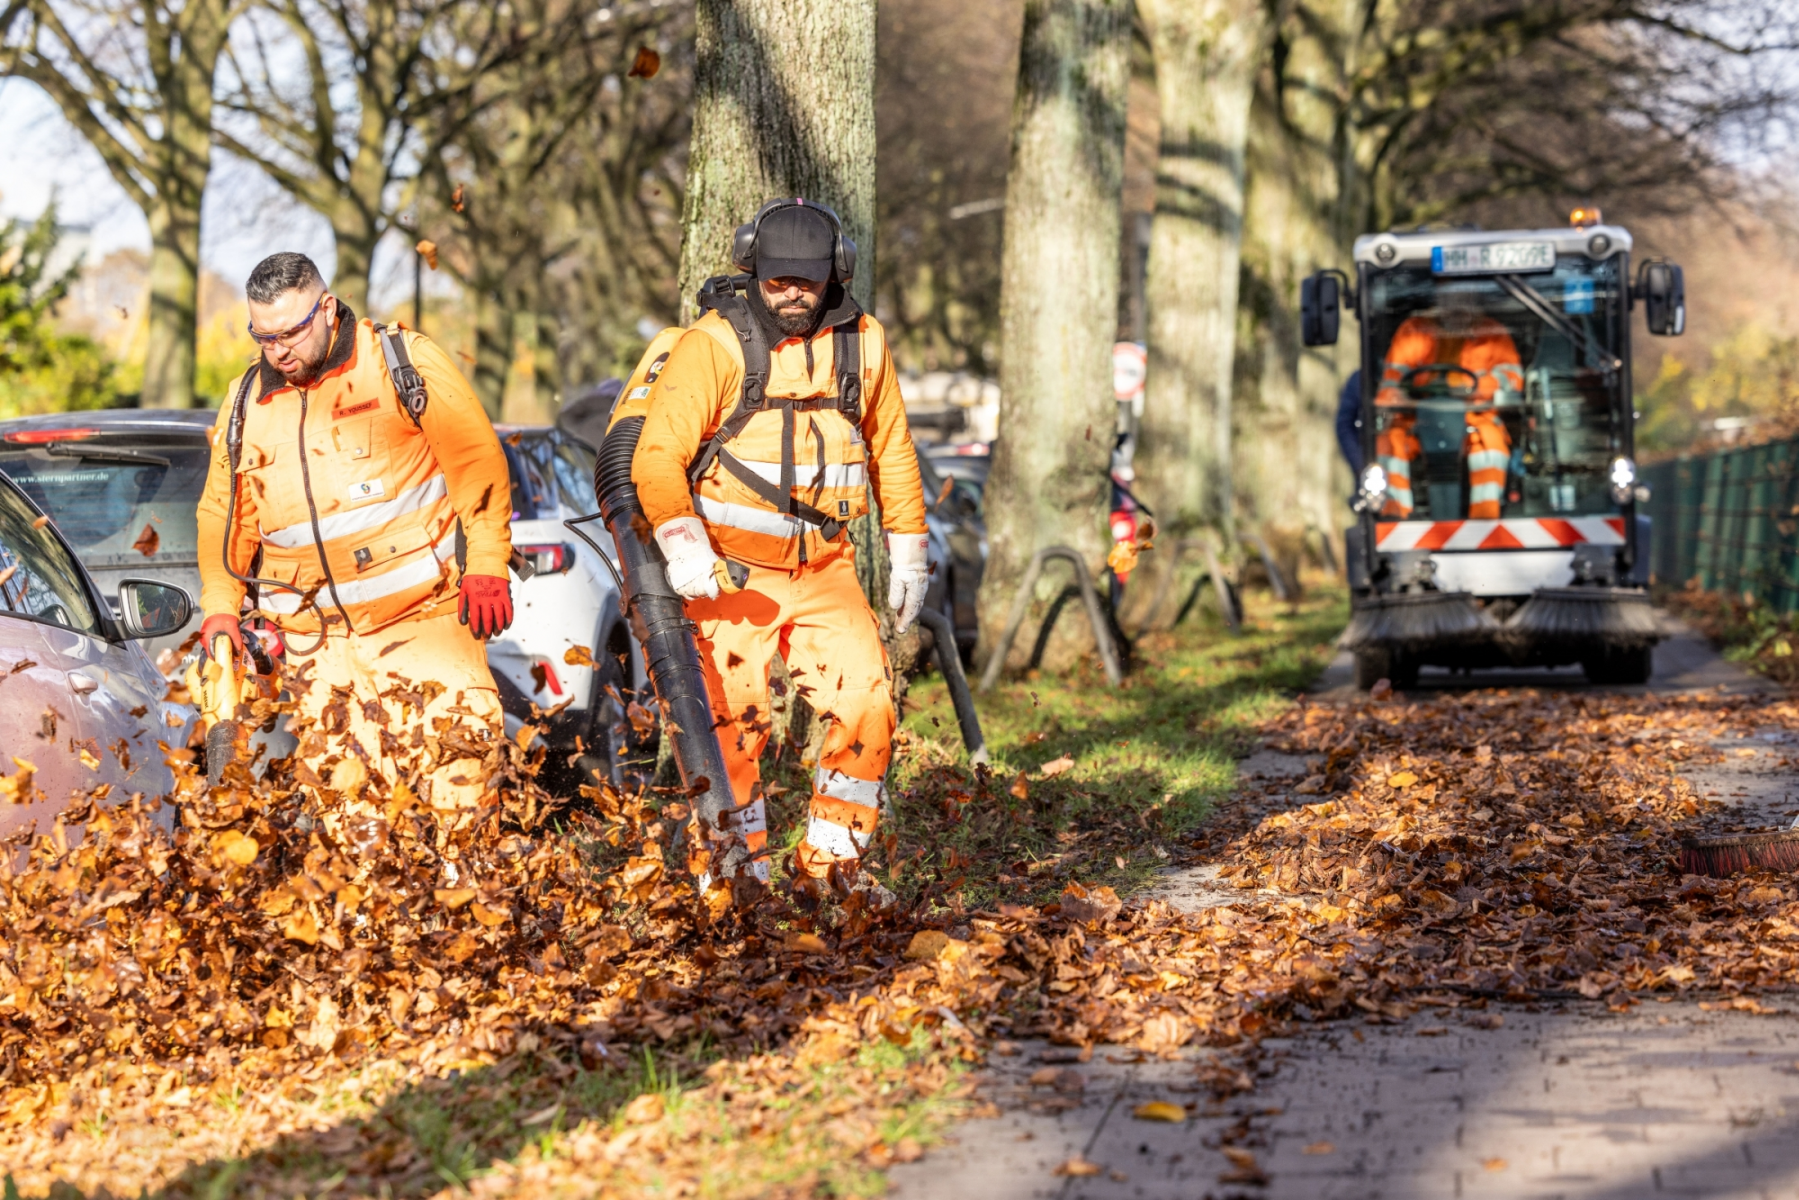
120 500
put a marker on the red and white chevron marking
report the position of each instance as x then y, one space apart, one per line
1511 533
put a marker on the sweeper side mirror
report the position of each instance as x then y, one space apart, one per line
1320 299
1662 287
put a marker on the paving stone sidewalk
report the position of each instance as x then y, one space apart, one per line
1674 1098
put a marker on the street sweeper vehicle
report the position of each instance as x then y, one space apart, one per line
1497 519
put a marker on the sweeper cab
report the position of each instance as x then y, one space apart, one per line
1497 519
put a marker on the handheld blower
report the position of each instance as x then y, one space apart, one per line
660 624
219 681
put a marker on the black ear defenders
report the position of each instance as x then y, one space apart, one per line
743 242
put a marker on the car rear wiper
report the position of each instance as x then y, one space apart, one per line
1539 304
102 454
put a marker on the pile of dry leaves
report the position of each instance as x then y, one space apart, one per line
1493 845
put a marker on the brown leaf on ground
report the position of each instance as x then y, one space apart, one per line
1078 1167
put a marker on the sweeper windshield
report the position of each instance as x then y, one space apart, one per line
1496 395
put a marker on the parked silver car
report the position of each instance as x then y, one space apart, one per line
80 700
122 485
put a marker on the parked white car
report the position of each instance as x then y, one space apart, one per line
567 597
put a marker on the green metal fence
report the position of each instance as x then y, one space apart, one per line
1731 520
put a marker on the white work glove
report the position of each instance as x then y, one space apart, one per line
909 579
692 562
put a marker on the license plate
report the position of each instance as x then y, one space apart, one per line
1492 258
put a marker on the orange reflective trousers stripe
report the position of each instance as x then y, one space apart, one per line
817 619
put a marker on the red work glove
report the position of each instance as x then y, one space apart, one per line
486 605
226 624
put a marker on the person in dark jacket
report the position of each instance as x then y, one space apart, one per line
1349 423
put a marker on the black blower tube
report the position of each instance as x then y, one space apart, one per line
661 627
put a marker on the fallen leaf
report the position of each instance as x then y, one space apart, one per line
578 656
1056 766
148 542
806 943
1160 1110
1320 1148
235 847
301 927
1078 1167
926 945
644 1109
1493 1164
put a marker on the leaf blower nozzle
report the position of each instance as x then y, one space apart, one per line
659 622
215 681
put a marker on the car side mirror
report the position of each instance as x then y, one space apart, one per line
1320 299
148 609
1662 287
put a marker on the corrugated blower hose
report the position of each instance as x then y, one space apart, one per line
661 627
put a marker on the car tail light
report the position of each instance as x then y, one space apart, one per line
552 558
36 437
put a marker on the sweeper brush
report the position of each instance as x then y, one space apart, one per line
1614 618
1721 856
1410 622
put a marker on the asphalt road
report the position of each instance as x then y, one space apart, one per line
1562 1099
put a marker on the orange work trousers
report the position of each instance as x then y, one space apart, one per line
364 690
818 621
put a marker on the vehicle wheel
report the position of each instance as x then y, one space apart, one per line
1373 665
1405 672
1620 667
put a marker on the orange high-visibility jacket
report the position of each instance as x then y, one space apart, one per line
1491 357
634 398
349 500
832 460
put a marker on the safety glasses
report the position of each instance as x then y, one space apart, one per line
286 336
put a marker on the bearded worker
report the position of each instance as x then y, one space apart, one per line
764 427
359 500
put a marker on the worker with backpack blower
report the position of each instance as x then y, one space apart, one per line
762 429
359 497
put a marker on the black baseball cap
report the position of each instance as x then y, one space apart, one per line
796 242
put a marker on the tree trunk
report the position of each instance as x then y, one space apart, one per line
356 232
1058 309
1207 53
493 350
183 65
1293 475
546 361
174 305
783 106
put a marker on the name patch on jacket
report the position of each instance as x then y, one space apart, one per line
365 406
366 491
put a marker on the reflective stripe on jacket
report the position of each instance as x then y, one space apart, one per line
832 461
348 500
1396 447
